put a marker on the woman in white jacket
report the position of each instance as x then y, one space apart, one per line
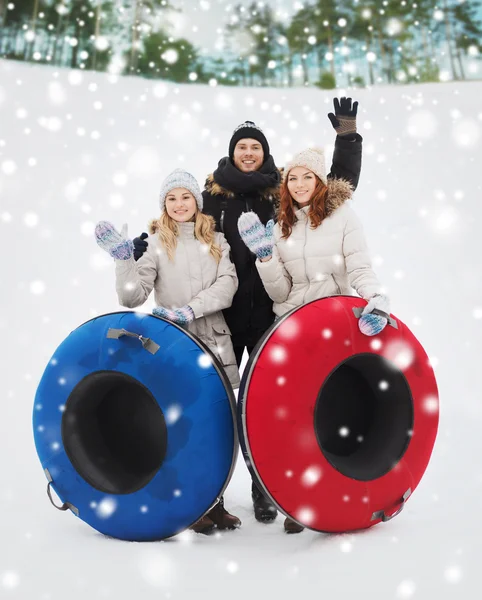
317 247
187 264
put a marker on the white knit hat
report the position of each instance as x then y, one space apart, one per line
180 179
311 158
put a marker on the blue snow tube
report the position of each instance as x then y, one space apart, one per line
134 424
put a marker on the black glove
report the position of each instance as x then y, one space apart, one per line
140 246
344 119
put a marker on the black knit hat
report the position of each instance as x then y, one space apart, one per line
248 130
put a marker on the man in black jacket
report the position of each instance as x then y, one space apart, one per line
248 180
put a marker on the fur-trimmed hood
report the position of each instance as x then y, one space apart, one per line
153 226
339 191
213 188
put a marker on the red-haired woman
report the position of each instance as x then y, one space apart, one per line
317 247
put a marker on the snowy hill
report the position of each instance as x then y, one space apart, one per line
79 147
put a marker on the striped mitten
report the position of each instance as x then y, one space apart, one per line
257 237
371 323
181 316
118 245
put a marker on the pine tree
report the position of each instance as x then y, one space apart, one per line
32 30
468 29
3 12
143 13
264 29
361 31
239 40
449 35
422 13
297 35
165 58
62 11
103 17
11 33
328 31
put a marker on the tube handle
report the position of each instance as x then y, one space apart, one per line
382 514
147 343
65 505
357 311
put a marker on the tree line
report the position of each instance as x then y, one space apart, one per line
327 43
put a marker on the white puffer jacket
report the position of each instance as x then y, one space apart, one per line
193 278
316 263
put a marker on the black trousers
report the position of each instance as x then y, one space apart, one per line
238 352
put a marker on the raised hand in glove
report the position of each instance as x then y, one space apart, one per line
118 245
257 237
181 316
140 246
371 323
344 119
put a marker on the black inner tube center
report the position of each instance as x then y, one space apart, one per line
114 432
364 417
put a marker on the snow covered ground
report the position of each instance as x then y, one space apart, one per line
79 147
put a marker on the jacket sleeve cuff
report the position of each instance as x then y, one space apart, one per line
371 291
197 307
125 265
340 142
266 265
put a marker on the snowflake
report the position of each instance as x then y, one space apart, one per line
75 78
31 219
278 354
106 508
311 476
37 287
466 133
306 515
10 579
204 361
9 167
431 405
406 589
232 567
173 414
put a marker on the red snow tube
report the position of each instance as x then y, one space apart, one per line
337 428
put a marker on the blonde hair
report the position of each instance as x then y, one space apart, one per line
168 231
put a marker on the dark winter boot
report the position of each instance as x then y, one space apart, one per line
264 510
204 525
221 518
292 527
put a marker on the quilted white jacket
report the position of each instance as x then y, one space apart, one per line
315 263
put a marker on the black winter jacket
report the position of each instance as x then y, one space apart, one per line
251 314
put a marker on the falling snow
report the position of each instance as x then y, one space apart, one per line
77 147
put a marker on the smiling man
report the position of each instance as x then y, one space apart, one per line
248 180
248 155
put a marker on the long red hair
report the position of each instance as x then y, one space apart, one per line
316 212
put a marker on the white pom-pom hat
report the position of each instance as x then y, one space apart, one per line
311 158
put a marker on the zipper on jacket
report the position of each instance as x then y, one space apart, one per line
224 205
253 269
